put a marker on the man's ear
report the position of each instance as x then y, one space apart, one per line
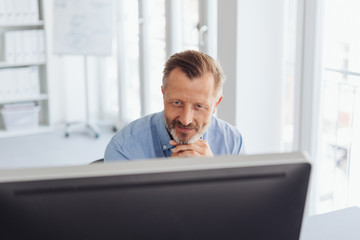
217 103
162 90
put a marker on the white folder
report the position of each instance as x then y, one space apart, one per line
2 84
27 45
19 56
34 81
9 46
17 12
7 83
9 8
34 11
41 45
2 12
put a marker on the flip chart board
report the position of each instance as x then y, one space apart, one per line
82 27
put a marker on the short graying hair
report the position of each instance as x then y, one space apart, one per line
195 64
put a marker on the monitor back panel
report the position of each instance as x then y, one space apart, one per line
235 203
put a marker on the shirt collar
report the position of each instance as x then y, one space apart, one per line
162 132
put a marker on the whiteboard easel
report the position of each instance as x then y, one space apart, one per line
83 27
88 124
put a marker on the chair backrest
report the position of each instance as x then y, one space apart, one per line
98 161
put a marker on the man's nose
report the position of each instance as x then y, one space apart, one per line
186 116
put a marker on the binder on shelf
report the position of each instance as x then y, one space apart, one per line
34 11
29 11
15 83
27 46
5 81
24 46
19 11
19 83
2 12
3 90
9 46
1 84
40 45
34 46
22 89
26 11
5 84
33 81
19 41
22 9
9 18
2 46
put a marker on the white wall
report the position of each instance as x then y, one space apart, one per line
250 50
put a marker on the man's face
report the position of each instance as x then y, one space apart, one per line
188 105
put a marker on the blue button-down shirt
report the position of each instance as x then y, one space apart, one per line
148 137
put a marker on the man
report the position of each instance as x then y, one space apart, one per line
192 90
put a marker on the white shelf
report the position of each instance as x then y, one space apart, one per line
42 99
10 65
22 25
17 133
26 99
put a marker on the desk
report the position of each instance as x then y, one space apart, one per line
341 224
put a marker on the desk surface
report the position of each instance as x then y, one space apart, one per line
341 224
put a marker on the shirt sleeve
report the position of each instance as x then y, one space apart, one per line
242 147
239 143
114 152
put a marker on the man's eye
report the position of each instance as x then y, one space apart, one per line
177 102
198 106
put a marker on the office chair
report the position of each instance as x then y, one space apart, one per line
98 161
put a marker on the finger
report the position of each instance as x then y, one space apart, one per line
198 143
185 154
173 143
201 143
184 147
189 153
197 146
175 154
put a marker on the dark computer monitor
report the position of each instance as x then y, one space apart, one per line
229 197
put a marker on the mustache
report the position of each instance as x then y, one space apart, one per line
179 124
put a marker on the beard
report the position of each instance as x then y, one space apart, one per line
184 138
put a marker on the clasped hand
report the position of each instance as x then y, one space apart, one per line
200 148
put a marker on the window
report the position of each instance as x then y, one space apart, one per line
338 148
130 58
157 52
191 24
122 99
